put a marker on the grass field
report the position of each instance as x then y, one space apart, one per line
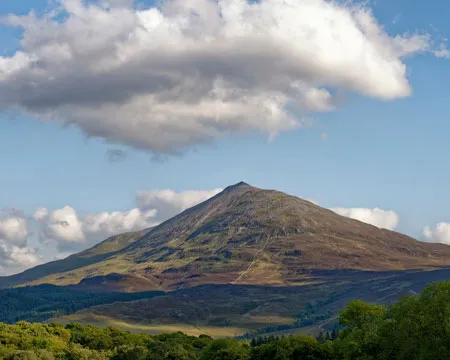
153 329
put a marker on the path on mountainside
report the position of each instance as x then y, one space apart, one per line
254 260
263 248
388 295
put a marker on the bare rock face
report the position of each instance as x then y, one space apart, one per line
244 235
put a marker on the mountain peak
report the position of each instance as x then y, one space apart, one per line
239 186
241 183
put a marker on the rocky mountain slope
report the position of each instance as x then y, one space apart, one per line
244 235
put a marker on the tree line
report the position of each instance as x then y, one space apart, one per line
416 327
43 302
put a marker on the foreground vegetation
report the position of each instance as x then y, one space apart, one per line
416 327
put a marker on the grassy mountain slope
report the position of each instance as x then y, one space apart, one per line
66 266
244 235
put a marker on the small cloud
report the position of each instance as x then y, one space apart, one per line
442 52
116 155
12 212
159 158
312 201
14 231
386 219
396 19
440 233
62 225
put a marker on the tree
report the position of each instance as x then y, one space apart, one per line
321 336
130 353
418 327
358 314
264 351
360 337
226 349
22 355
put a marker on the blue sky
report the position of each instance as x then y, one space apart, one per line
391 154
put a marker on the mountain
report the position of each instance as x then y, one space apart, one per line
244 235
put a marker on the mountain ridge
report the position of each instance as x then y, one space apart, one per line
243 235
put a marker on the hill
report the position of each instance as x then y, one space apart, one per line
244 235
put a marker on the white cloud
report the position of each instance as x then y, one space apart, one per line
14 230
40 214
442 52
110 223
14 253
61 255
62 225
165 79
13 258
315 202
438 234
168 203
412 44
386 219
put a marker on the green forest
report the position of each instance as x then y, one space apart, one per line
416 327
43 302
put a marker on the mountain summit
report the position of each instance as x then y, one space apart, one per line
243 235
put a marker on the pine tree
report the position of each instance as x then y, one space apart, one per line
321 337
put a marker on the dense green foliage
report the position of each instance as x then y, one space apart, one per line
40 303
78 342
416 327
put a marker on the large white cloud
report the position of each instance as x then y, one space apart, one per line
386 219
440 233
73 232
164 79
